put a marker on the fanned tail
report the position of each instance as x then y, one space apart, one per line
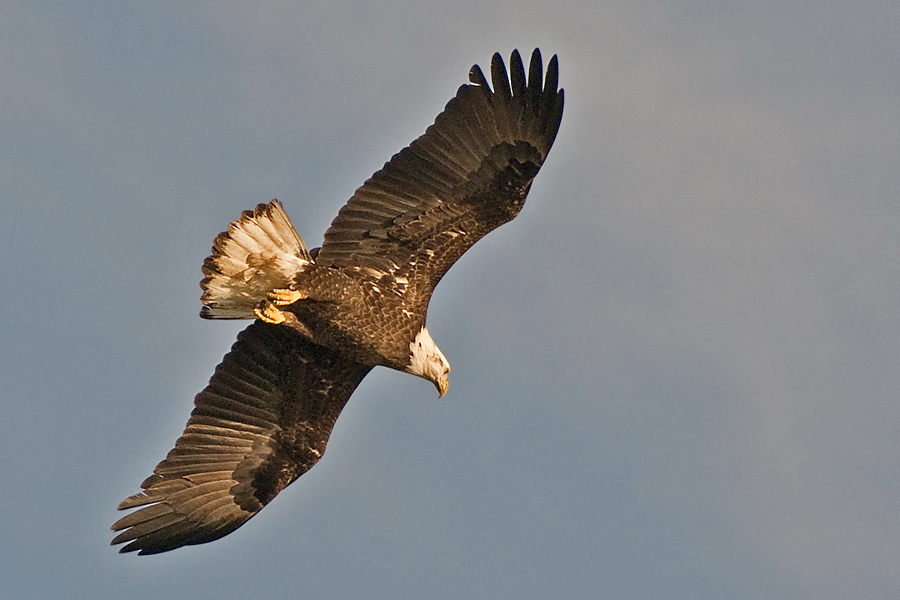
260 252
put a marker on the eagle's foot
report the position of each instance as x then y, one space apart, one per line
283 297
269 313
268 310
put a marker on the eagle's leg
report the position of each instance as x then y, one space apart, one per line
283 297
268 310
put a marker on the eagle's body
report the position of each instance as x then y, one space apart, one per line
327 317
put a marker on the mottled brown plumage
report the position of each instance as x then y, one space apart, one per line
331 315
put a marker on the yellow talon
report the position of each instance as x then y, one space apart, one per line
283 297
268 309
270 314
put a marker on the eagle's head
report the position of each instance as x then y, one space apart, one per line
427 361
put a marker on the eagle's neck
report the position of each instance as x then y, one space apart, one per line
427 361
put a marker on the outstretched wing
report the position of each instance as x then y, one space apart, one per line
467 175
263 420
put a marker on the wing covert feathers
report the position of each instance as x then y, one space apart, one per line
260 251
263 420
468 174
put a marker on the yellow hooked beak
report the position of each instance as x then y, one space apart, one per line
442 383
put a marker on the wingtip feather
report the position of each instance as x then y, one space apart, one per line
476 76
499 77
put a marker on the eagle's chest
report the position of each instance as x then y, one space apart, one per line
371 319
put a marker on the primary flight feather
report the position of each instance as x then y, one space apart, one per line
325 318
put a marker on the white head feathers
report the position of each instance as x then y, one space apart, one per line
427 361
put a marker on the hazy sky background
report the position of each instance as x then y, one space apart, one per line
675 375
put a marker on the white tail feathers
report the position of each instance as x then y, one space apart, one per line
260 252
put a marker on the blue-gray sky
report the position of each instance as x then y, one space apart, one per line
675 375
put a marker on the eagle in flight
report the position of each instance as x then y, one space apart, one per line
324 318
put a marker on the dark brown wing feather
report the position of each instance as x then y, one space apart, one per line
263 420
468 174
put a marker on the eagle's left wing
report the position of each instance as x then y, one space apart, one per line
468 174
263 420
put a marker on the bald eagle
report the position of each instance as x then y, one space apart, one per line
325 318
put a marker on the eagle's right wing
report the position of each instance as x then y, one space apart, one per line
263 420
